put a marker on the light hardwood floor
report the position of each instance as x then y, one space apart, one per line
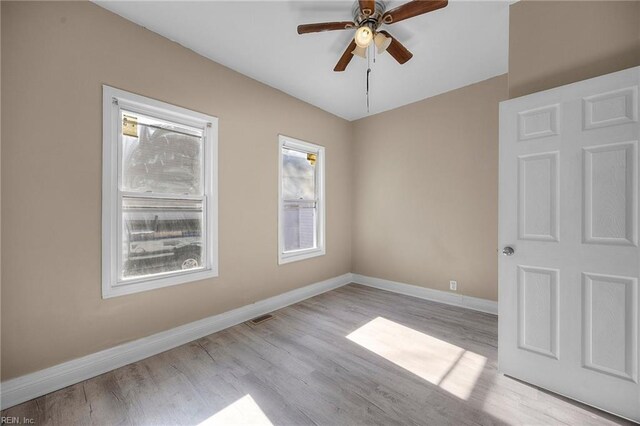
355 355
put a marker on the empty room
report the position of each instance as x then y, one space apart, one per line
308 212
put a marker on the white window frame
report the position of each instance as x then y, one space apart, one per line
319 250
113 100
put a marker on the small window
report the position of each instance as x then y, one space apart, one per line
301 205
159 202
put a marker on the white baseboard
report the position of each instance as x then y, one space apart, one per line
475 303
33 385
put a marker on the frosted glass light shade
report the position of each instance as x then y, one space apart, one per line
363 36
382 42
360 51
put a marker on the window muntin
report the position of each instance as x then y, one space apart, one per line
301 200
159 194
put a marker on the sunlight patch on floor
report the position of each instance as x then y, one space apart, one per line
451 367
244 411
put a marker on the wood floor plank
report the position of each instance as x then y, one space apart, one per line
323 362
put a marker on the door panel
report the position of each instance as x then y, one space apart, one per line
611 109
538 310
568 296
538 197
610 343
610 201
538 122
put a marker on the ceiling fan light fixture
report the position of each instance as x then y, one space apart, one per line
382 42
360 51
368 16
364 36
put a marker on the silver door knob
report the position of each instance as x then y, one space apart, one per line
508 251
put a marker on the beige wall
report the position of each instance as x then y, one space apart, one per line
425 176
55 57
552 43
426 191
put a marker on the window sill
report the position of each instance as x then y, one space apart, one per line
137 286
294 256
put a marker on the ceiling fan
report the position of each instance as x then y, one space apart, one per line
368 16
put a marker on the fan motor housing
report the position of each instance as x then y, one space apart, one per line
372 20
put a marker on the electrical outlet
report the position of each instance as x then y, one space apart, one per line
453 285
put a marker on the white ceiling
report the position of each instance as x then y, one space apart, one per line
464 43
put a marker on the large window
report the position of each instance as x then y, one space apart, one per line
301 204
159 201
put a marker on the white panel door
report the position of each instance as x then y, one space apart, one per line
570 263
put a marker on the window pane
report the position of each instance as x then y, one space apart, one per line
299 225
159 156
160 236
298 176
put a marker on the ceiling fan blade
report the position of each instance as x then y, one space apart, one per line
325 26
367 7
346 57
411 9
397 50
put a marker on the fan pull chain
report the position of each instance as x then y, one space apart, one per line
368 72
